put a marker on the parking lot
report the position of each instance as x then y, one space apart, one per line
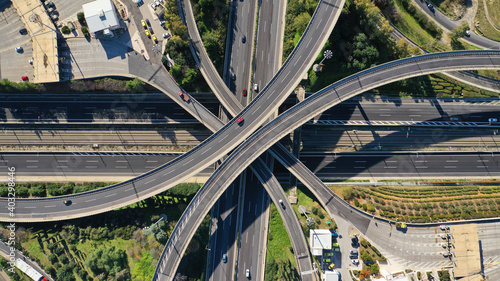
10 24
69 8
14 65
82 59
151 14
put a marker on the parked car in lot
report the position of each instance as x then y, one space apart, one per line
143 22
24 78
353 254
154 38
148 34
166 35
148 23
19 49
23 31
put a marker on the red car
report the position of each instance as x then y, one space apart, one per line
25 78
240 121
244 92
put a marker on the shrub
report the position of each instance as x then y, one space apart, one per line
66 30
356 202
81 18
85 31
136 85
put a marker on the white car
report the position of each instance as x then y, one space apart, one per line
355 261
256 87
157 3
248 273
153 6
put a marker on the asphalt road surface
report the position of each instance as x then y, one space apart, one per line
241 48
444 21
223 235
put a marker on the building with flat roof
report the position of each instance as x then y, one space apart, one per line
320 239
101 16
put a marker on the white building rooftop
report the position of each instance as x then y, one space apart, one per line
320 239
100 15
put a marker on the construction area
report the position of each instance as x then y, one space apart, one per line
43 39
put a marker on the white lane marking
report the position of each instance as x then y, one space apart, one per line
62 167
151 161
450 167
121 167
110 195
451 161
121 161
32 167
91 167
32 161
421 167
150 181
51 206
90 200
62 161
92 161
30 207
128 189
168 172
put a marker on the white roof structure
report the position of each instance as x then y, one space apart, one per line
320 239
100 15
331 276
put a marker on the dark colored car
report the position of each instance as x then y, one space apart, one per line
243 39
244 92
431 7
240 121
23 31
148 23
224 258
353 254
233 76
67 202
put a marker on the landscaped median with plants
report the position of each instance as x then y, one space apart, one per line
370 256
443 202
113 245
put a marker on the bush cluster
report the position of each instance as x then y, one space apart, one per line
422 19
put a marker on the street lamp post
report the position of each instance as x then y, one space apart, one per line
326 55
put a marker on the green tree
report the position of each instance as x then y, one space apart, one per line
300 23
364 55
106 260
66 30
81 18
161 236
375 268
65 273
135 86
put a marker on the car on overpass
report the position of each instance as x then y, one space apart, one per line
240 121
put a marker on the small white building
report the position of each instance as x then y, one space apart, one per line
320 239
101 16
331 276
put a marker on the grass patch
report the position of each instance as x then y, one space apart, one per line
278 245
484 28
411 28
493 10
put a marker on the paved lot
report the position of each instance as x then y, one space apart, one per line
13 65
99 57
10 24
69 8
